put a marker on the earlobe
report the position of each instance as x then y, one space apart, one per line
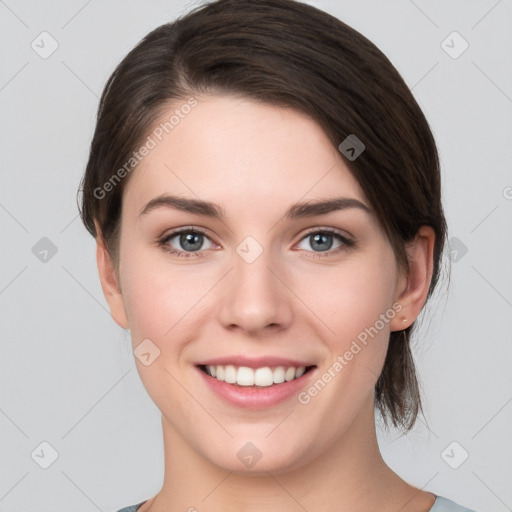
413 293
110 284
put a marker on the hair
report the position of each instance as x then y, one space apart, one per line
287 54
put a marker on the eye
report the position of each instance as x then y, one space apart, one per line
325 240
186 242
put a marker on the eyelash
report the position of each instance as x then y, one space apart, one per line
346 243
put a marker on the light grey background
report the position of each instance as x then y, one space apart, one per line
67 373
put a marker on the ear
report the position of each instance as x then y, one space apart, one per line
110 283
413 288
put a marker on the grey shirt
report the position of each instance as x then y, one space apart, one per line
440 505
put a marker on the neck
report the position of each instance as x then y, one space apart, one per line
350 475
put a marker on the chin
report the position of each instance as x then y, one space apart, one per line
258 455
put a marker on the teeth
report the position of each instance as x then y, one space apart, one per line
245 376
230 374
263 377
278 375
289 374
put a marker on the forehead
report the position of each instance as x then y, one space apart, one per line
241 154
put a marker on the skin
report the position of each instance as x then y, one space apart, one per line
255 161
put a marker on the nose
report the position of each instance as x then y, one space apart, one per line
254 298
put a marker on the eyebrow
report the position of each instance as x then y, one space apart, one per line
209 209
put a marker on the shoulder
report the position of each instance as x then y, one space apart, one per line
445 505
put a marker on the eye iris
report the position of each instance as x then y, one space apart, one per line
321 241
191 241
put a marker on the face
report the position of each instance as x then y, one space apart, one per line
241 282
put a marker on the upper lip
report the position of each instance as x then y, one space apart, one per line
254 362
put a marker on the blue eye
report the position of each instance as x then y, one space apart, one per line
186 242
320 241
325 240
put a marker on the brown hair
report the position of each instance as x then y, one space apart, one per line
283 53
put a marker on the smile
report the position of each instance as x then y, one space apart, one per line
258 377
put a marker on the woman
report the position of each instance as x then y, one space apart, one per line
265 196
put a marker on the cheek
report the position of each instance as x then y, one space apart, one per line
353 296
160 296
358 307
150 297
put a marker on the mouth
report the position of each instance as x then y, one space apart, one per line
261 377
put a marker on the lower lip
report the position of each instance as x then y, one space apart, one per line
251 397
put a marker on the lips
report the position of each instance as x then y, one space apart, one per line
255 383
